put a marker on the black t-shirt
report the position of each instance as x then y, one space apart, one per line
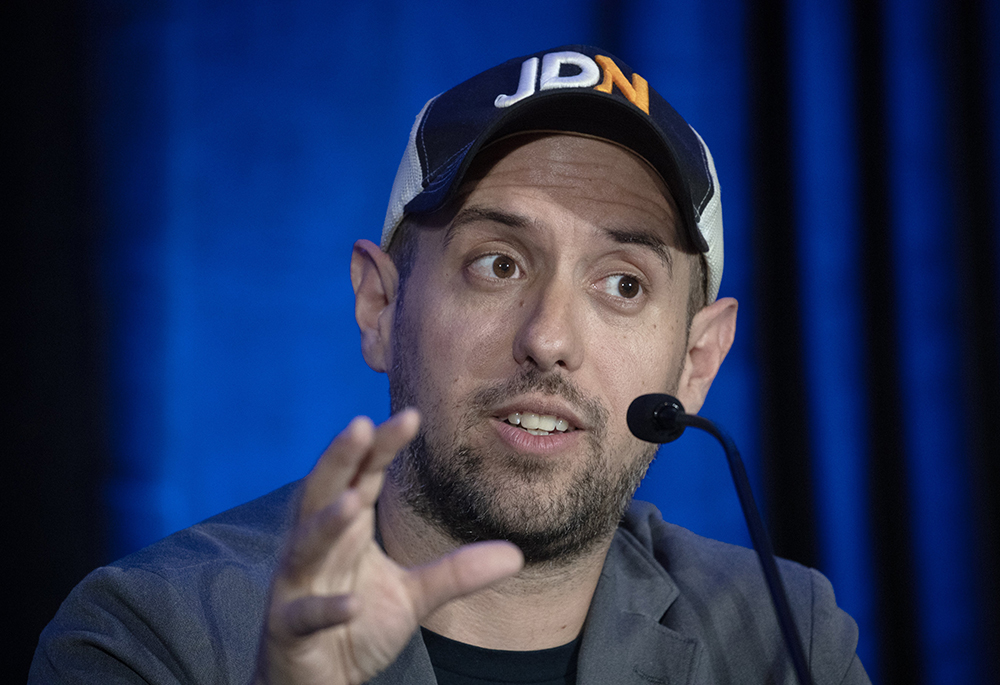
456 663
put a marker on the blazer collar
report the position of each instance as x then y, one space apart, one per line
623 640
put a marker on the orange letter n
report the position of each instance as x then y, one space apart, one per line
637 92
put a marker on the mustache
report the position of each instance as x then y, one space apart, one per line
535 381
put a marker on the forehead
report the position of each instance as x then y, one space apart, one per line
580 174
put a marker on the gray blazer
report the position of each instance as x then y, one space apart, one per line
670 607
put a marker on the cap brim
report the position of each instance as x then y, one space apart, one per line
581 111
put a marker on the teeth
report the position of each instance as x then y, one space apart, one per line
538 424
546 423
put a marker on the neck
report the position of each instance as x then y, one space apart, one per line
543 606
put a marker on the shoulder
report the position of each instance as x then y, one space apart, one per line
696 562
228 554
722 600
247 536
175 609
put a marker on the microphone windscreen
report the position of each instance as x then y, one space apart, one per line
653 418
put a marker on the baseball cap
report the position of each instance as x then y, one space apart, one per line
576 89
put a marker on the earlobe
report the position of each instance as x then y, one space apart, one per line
375 281
712 332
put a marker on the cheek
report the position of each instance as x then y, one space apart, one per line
466 344
456 339
631 363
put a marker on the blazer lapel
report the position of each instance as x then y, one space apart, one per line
623 641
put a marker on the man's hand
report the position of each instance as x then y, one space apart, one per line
340 610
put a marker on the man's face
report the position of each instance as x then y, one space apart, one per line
551 290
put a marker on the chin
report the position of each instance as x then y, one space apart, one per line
553 515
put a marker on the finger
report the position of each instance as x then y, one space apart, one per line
389 438
307 615
360 450
337 466
464 571
315 537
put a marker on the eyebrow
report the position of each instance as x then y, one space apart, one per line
622 236
645 239
472 214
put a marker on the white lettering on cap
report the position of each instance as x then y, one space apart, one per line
525 87
635 91
552 64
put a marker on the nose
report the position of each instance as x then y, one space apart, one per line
549 335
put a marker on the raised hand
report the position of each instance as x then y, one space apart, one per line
340 610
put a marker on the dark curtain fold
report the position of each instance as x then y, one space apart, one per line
896 603
55 427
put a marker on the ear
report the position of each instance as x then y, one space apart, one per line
711 336
375 282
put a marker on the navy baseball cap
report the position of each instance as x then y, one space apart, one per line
576 89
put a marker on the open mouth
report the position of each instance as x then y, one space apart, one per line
539 424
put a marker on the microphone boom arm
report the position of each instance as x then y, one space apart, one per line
661 418
761 542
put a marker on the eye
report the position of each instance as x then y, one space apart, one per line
495 266
622 285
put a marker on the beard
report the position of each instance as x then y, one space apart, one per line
494 493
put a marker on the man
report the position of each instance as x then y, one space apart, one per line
551 251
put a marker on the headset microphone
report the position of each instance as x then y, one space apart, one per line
661 418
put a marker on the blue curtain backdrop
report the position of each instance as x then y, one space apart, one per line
235 150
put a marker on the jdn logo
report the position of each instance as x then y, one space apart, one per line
637 91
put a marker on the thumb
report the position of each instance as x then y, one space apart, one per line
464 571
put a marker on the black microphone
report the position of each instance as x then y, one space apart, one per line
653 418
661 418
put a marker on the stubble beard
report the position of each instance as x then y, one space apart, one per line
474 494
